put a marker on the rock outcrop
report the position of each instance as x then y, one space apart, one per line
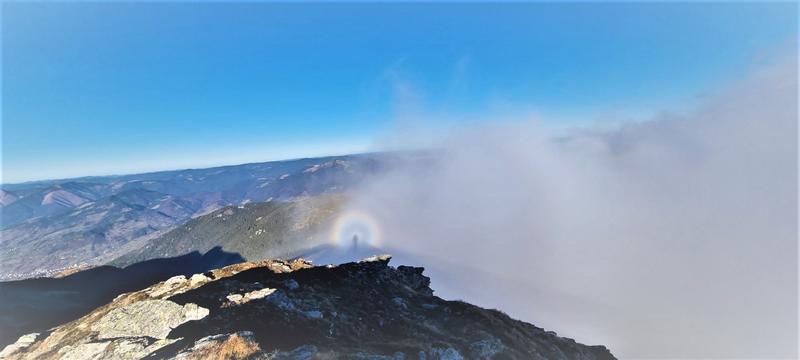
292 310
148 318
23 342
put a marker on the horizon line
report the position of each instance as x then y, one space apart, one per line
33 181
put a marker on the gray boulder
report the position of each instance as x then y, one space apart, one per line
151 318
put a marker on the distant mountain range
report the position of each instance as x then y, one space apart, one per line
53 226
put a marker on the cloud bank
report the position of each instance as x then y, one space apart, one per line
674 237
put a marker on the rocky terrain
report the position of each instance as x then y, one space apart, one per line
35 305
274 309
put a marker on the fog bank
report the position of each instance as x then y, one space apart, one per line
673 237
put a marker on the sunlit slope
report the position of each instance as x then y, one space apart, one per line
258 230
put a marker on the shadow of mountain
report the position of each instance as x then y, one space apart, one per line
35 305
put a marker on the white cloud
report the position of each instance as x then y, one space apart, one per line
675 237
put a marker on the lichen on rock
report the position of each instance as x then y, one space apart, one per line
151 318
23 342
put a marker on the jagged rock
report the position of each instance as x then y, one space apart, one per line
282 301
400 302
134 348
371 311
167 286
83 351
198 279
235 298
364 356
376 258
258 294
23 342
412 277
238 299
445 354
305 352
313 314
239 345
273 265
291 284
151 318
485 349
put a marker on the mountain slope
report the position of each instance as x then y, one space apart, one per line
292 310
89 234
275 229
51 200
7 197
66 223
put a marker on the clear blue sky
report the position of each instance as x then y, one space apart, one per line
93 88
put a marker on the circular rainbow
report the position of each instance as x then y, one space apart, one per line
355 223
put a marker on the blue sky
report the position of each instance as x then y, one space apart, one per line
94 88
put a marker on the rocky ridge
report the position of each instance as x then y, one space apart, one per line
273 309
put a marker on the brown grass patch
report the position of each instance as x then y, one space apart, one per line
234 347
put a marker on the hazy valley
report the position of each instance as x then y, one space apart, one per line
53 226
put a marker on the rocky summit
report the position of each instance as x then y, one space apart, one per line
275 309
